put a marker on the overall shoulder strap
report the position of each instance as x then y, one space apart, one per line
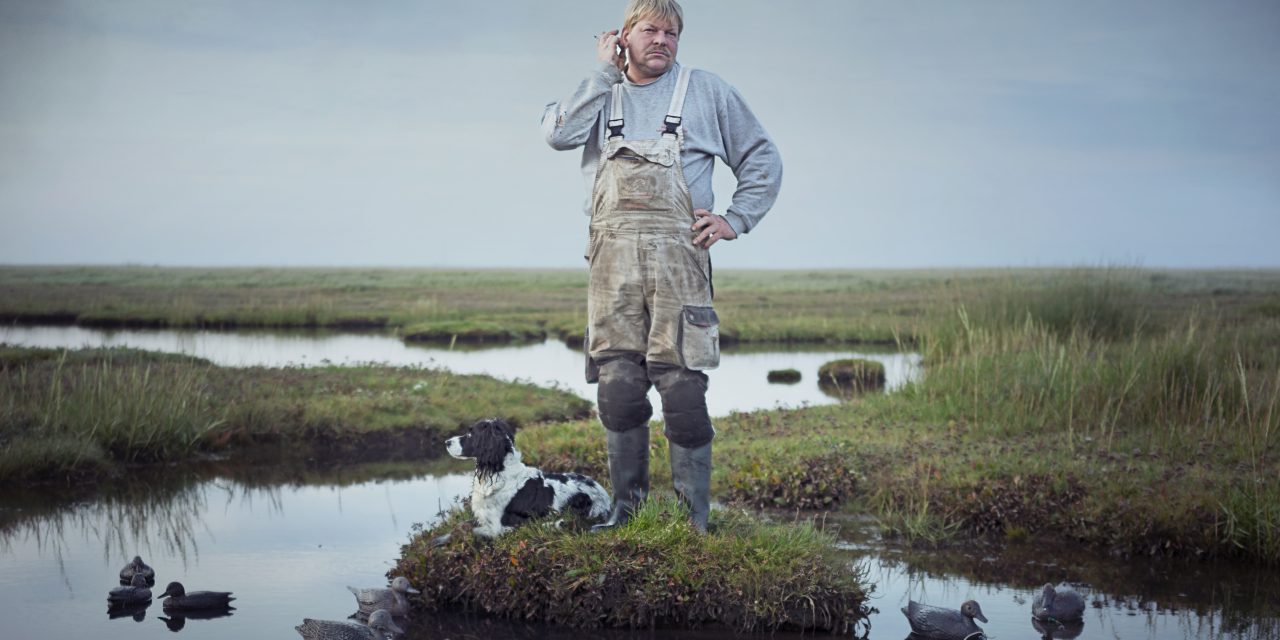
615 113
672 122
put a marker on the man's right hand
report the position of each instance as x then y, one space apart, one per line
607 44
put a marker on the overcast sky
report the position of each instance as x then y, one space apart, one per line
913 134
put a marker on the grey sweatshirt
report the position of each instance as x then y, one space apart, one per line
717 124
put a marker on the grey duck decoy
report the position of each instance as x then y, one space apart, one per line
137 592
135 567
180 599
390 598
380 624
945 624
1061 604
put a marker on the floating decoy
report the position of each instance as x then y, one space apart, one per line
135 567
137 592
180 599
392 599
1060 604
945 624
380 624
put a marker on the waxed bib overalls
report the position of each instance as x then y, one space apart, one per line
650 319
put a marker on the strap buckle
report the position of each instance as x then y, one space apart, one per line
671 125
615 128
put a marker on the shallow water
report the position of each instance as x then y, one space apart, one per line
287 541
739 384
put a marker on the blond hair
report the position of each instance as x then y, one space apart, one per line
668 10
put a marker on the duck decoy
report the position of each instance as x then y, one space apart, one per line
135 567
180 599
945 624
380 624
1060 604
137 592
393 599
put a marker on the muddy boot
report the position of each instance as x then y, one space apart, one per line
629 473
691 474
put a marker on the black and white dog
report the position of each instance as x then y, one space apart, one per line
505 492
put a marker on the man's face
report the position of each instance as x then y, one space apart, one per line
651 48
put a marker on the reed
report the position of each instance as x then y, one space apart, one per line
116 408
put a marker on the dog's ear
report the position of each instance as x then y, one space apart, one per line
491 441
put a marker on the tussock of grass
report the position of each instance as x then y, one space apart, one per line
853 374
784 376
655 572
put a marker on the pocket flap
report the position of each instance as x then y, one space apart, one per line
665 157
701 316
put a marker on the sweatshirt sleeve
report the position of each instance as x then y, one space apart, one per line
754 160
568 124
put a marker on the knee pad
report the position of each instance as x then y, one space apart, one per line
622 395
684 404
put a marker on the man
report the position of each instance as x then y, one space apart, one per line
651 131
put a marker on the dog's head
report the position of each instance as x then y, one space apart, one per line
488 443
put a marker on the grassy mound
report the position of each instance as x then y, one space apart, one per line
853 375
784 376
655 572
473 332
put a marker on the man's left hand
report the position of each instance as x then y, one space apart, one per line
710 228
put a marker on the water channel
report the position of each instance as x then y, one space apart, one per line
288 540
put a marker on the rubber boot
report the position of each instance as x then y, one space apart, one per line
629 473
691 474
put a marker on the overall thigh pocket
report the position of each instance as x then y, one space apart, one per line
699 338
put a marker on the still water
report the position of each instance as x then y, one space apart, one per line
287 540
739 384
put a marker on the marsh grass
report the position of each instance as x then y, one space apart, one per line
90 411
657 571
1176 386
125 407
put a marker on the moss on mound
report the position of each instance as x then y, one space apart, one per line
655 572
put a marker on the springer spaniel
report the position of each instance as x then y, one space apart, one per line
505 492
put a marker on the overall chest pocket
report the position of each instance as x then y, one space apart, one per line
699 338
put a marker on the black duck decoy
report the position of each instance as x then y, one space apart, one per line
1060 604
134 567
136 593
945 624
178 598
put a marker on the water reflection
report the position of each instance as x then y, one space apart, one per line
288 540
137 611
177 620
740 384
